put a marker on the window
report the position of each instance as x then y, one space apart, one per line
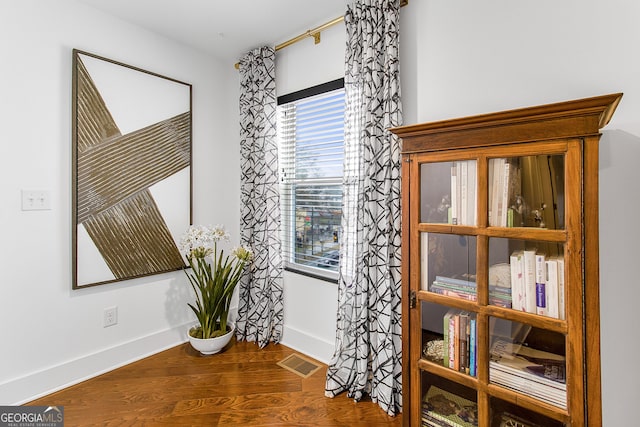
311 152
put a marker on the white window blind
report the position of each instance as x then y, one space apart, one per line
311 152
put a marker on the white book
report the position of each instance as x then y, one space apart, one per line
529 273
517 281
541 285
472 212
496 191
464 188
561 295
504 197
454 194
491 193
551 288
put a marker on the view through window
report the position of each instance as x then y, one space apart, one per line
311 152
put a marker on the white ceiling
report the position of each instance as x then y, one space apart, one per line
224 28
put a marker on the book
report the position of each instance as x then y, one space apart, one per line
429 420
496 191
452 340
472 214
517 281
503 206
551 288
454 193
463 189
509 420
529 274
451 408
445 328
472 346
561 298
541 295
530 371
498 296
463 338
456 341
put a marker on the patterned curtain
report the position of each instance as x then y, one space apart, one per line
260 307
368 351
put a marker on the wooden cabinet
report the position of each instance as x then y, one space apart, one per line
500 267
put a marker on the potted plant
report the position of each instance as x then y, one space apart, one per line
213 277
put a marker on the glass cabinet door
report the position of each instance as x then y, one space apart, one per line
527 276
449 192
449 337
526 191
448 265
447 403
528 360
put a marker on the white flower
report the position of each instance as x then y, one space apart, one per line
243 253
199 240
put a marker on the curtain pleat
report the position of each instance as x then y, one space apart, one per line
260 306
368 351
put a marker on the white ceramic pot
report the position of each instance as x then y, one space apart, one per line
212 345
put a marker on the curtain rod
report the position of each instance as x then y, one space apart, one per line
315 33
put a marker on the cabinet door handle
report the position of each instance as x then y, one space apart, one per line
412 299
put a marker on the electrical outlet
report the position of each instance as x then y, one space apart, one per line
110 316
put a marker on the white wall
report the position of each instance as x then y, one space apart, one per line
310 304
52 336
468 57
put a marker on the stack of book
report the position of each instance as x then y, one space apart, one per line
441 408
537 373
504 186
537 283
463 193
510 420
467 290
460 346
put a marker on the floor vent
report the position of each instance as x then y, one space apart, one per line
299 365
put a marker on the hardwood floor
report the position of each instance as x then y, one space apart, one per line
242 386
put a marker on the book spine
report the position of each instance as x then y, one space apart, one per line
515 267
454 194
551 288
445 328
452 340
504 201
464 342
496 191
429 420
472 346
529 274
561 306
456 342
472 214
463 184
453 293
541 296
461 282
491 212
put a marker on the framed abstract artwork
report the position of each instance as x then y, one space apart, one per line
131 177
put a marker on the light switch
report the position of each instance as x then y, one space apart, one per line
36 200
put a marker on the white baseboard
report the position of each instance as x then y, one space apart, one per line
312 346
33 386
